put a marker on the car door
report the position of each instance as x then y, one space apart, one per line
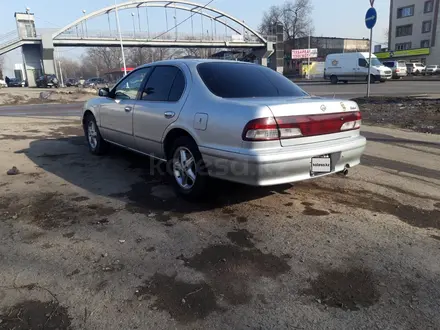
160 104
362 71
116 111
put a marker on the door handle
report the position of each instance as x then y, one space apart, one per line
169 114
128 109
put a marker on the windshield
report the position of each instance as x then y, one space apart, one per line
242 80
375 62
432 66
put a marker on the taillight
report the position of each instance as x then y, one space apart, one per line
261 129
397 70
267 129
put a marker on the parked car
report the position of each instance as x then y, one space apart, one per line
415 68
398 68
3 83
94 82
47 81
432 69
72 82
347 67
231 120
15 82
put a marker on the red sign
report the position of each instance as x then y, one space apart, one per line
372 3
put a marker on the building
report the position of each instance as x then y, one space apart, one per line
414 31
325 46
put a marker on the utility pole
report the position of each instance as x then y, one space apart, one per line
308 60
61 74
120 39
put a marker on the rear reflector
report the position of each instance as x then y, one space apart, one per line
267 129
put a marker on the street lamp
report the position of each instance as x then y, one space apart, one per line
175 24
134 26
85 22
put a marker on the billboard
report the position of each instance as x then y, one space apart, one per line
304 53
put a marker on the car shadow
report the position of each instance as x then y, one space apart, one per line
138 180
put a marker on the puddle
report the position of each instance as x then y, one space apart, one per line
230 269
186 302
242 238
309 210
51 210
33 315
80 199
349 290
242 219
367 200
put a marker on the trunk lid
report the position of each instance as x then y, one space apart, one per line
319 117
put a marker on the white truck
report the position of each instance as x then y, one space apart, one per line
347 67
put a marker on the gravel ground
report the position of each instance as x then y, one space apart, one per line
418 114
103 243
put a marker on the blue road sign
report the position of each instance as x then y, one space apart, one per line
371 18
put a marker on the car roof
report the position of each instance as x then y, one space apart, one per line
193 62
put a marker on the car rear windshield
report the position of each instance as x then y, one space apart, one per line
240 80
389 64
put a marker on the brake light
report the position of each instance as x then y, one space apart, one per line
268 129
397 70
261 129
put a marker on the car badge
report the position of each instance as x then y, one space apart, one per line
343 106
323 108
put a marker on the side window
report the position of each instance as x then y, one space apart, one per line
128 88
362 62
158 87
177 88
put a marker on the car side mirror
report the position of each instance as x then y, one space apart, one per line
104 92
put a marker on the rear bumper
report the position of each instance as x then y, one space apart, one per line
283 165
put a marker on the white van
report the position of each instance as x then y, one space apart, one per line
347 67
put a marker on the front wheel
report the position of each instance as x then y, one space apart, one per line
372 79
334 80
188 172
96 143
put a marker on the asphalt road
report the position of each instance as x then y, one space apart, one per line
395 88
400 88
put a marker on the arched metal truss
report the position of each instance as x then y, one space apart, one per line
199 9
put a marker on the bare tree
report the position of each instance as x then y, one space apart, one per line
101 60
71 68
294 16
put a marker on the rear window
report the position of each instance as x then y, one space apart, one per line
389 64
401 64
239 80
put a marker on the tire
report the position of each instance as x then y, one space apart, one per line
345 81
334 80
183 184
96 143
372 79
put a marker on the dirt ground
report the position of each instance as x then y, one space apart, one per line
103 243
418 114
15 96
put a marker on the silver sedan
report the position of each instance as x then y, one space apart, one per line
230 120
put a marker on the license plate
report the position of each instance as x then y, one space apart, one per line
321 164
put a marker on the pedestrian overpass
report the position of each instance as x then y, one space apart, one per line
185 24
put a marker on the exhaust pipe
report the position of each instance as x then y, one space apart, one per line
345 170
